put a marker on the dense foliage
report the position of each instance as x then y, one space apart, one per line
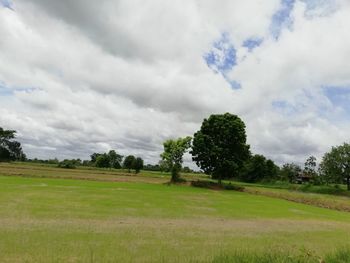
10 150
335 165
128 162
68 164
258 168
137 164
219 148
107 160
290 172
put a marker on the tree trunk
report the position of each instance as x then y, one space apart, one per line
175 173
348 182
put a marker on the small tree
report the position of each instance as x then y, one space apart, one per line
335 165
10 150
219 148
128 162
310 166
173 153
137 164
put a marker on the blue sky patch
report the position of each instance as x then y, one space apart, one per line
319 7
282 18
338 96
284 107
234 84
5 91
252 43
6 4
222 58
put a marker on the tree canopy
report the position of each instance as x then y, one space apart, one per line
219 148
10 149
258 168
290 172
137 164
128 162
107 160
335 165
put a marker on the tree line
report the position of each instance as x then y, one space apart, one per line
219 148
110 159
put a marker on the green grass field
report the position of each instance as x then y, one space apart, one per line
47 217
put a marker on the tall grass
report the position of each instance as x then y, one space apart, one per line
339 256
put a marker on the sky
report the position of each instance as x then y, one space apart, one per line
83 76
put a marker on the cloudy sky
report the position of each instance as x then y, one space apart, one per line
79 76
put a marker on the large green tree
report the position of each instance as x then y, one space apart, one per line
335 165
219 148
10 149
173 154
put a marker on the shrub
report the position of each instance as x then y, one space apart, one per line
216 186
67 164
234 187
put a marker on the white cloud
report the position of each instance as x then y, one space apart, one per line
92 75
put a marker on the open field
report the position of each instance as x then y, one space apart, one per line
143 220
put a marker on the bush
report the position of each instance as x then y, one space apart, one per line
67 164
216 186
234 187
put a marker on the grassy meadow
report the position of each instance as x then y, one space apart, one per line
49 214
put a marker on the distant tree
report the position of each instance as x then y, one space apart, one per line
103 161
53 161
163 166
310 170
10 150
258 168
335 165
151 167
94 157
219 148
173 153
68 164
86 163
186 169
137 164
290 172
128 162
310 166
115 159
